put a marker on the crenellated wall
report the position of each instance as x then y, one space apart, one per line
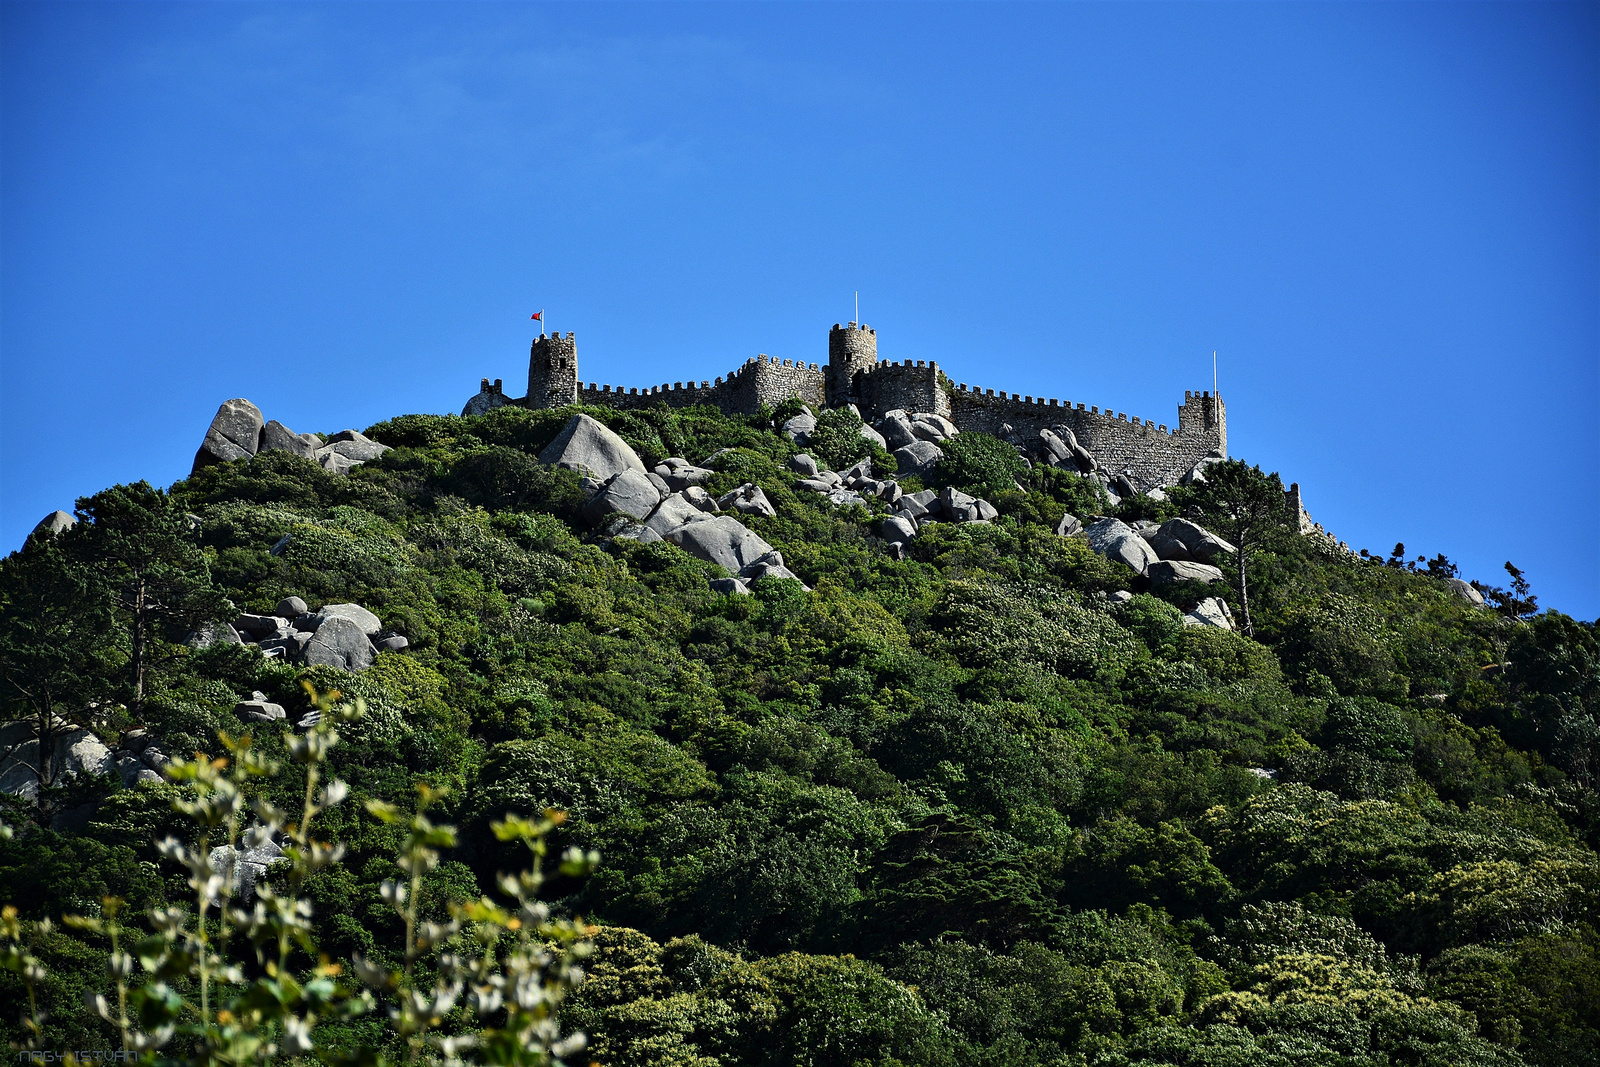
1155 454
1151 453
762 380
911 385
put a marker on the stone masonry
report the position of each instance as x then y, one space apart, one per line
1152 454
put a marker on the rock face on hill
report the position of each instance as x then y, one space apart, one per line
590 447
239 431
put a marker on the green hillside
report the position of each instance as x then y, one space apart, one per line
957 808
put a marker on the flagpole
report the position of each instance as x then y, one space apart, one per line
1213 372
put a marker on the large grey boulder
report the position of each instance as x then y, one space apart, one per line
1058 451
628 492
874 436
895 429
1163 572
1199 543
770 565
261 627
244 867
354 446
800 428
132 771
1069 525
748 499
1213 611
1114 539
1465 591
896 528
366 620
680 474
803 465
918 457
290 607
73 751
730 586
55 523
214 633
336 463
259 709
392 643
589 447
339 642
935 424
722 540
275 436
235 433
701 499
840 497
673 512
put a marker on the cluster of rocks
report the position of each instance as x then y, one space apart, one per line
913 437
1174 551
630 502
854 486
336 635
915 512
239 431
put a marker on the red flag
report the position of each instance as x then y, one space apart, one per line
537 315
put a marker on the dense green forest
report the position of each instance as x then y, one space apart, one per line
958 808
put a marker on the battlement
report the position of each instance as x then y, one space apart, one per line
1149 452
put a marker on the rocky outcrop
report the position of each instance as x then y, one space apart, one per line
590 447
339 642
347 636
54 524
1167 571
1115 539
1213 611
235 433
627 492
918 457
721 540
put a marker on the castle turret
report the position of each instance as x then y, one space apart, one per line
1204 414
852 350
553 371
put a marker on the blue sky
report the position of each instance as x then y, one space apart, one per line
1384 217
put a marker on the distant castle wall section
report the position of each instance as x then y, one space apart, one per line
1155 454
762 380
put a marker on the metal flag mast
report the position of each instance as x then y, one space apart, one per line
1213 372
858 307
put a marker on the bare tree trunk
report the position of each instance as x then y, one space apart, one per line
139 625
1244 592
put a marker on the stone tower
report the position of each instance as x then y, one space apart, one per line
553 371
852 350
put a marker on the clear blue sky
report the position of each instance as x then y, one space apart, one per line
1385 217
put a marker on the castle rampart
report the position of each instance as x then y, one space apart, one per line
1152 454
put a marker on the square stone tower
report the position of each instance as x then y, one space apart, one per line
553 371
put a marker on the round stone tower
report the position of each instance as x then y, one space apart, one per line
553 371
852 350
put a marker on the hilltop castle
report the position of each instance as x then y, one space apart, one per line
1150 454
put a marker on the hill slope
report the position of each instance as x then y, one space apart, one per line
960 807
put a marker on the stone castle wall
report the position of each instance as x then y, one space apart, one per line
762 380
1155 454
911 385
1151 453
